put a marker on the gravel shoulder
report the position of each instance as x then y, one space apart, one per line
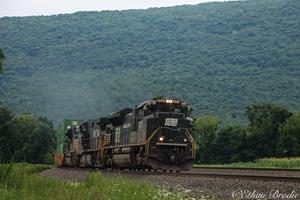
221 188
67 175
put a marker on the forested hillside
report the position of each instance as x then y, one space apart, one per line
219 57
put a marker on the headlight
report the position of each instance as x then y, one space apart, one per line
169 101
185 140
161 138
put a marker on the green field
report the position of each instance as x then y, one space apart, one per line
286 163
21 181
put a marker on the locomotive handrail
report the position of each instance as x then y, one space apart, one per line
148 140
194 146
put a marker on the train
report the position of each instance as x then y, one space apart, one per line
155 135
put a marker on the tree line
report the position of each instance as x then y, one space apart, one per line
25 138
271 131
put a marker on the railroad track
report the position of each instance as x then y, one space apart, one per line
248 176
212 175
254 176
248 168
256 173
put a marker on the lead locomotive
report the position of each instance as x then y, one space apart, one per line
154 135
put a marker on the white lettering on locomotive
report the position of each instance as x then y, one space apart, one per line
171 122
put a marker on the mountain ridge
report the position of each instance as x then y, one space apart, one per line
219 57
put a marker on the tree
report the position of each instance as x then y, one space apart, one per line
26 138
265 120
204 132
2 57
289 137
231 145
42 144
5 116
19 135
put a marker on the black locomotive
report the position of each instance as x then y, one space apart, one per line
154 135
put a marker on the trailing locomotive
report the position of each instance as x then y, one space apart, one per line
154 135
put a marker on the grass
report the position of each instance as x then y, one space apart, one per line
286 163
20 181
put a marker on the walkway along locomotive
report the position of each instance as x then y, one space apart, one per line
154 135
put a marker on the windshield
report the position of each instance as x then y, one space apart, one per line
167 107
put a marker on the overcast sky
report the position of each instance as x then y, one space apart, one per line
50 7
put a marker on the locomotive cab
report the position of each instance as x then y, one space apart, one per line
168 125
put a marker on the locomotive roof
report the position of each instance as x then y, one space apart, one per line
120 113
161 100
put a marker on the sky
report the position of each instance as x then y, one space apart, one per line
50 7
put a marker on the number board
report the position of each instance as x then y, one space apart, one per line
171 122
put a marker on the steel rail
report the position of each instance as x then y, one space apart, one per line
249 169
193 174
